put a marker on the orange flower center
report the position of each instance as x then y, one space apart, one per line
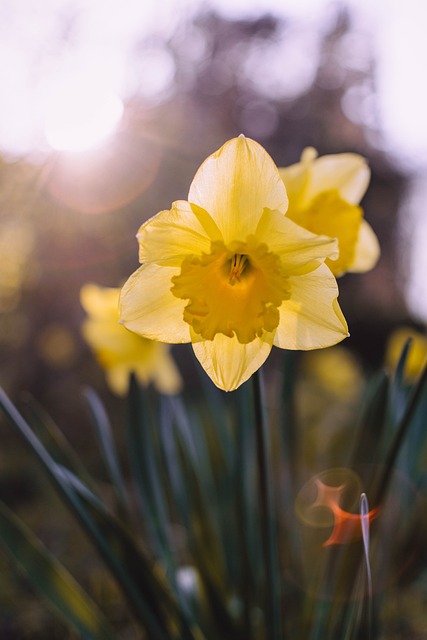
235 290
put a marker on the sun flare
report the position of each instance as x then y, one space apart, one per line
78 119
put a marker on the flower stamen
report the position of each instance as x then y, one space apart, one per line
238 264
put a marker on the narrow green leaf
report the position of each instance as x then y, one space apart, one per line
54 440
157 608
51 579
213 404
381 482
410 456
400 368
205 548
207 515
67 477
203 450
365 525
177 486
106 441
143 460
368 445
399 392
148 463
146 594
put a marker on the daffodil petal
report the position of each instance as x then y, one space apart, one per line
228 362
171 235
99 301
347 173
367 250
107 338
164 373
300 250
235 184
296 178
311 318
118 379
334 217
120 351
148 307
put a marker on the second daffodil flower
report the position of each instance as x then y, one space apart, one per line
324 193
120 351
229 272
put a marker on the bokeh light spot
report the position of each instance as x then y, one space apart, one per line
16 245
331 500
105 179
78 117
155 69
57 346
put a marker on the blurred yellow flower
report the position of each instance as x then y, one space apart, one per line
229 272
417 356
120 351
323 197
336 369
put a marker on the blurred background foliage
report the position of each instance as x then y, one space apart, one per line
197 75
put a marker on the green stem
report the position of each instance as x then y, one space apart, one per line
272 608
243 468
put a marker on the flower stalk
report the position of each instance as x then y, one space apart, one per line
272 605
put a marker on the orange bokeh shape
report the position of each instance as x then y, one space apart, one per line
347 526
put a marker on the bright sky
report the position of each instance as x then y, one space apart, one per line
37 69
397 34
65 72
48 102
398 29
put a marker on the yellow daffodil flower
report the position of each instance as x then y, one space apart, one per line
229 272
336 370
417 355
324 194
120 351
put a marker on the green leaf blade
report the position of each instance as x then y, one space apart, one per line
51 579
